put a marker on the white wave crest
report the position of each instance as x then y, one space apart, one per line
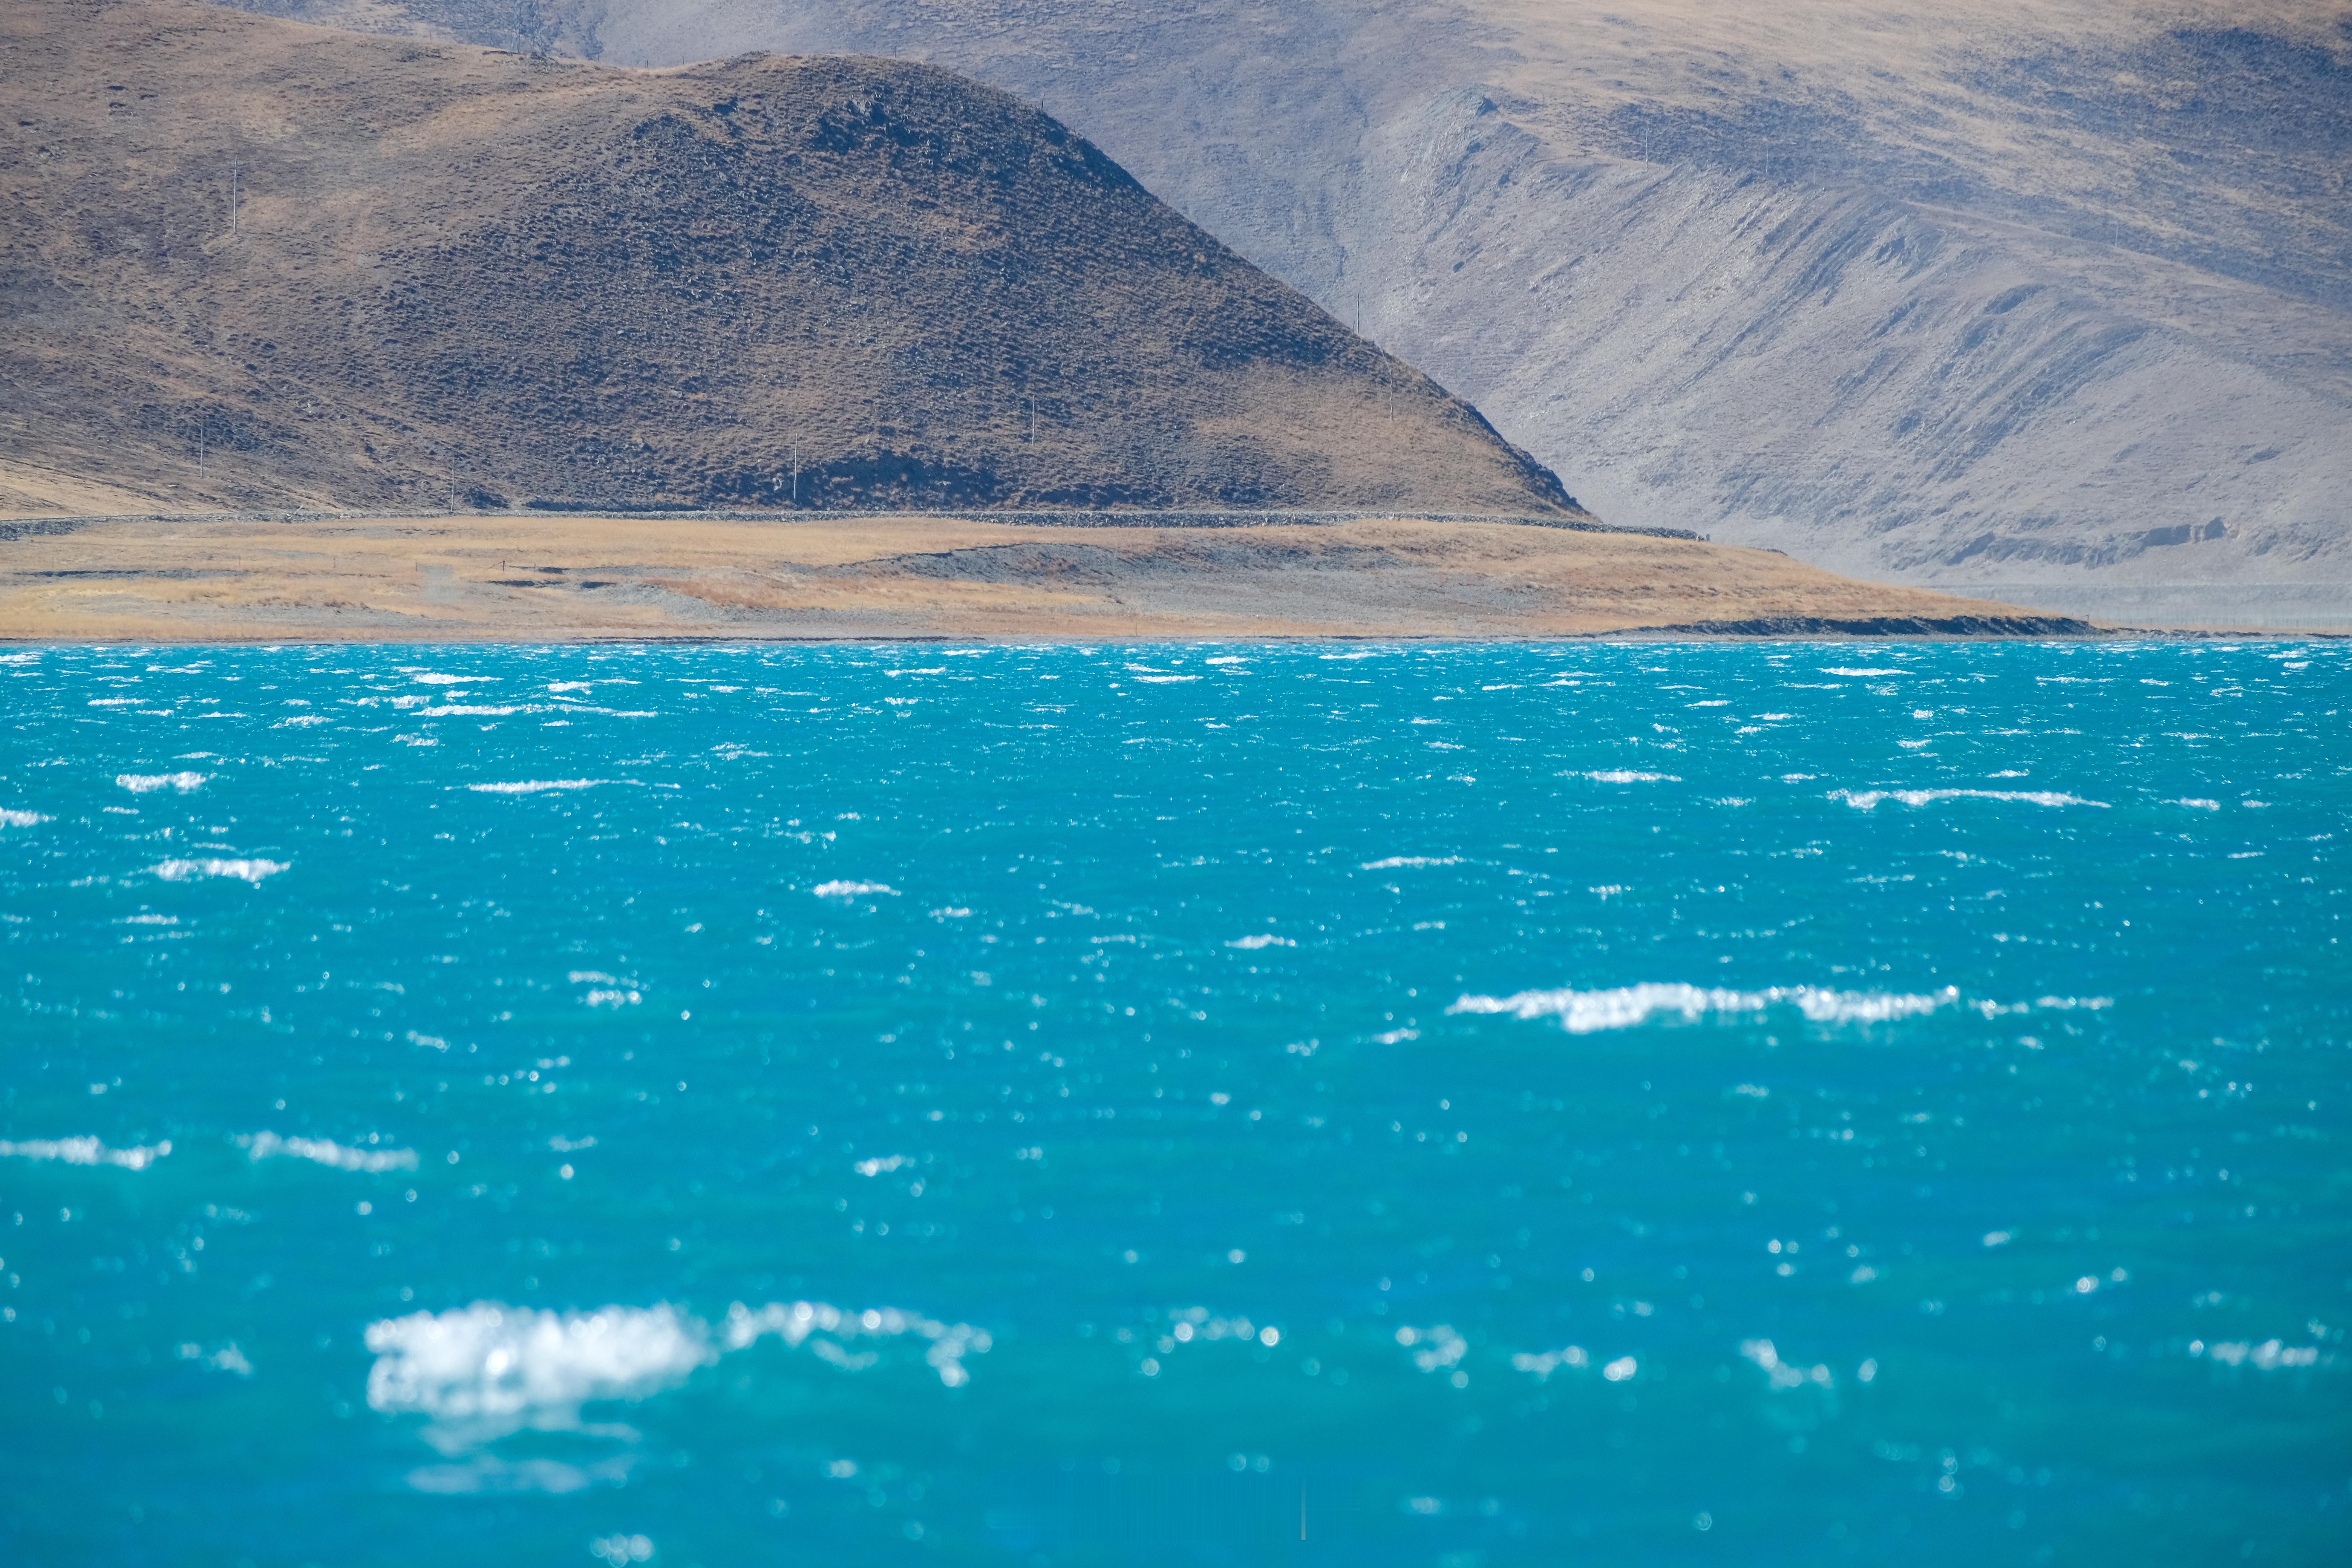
1627 775
2044 1003
9 818
86 1152
1850 673
851 890
2268 1356
264 1145
228 1358
243 870
145 783
483 1370
1261 939
487 1473
1434 1349
1548 1361
1627 1007
1868 799
825 1328
1395 861
534 786
1195 1325
1778 1373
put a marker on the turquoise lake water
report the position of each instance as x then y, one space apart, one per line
1460 1105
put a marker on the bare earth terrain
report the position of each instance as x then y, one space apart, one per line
251 265
2048 301
381 579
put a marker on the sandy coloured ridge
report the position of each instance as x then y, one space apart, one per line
559 578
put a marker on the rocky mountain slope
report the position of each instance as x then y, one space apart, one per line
251 263
2048 297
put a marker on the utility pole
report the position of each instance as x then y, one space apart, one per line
233 168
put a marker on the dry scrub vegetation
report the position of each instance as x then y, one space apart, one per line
252 263
808 576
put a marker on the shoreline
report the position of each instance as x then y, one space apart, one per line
549 577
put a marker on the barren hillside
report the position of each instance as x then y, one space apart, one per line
246 262
2050 298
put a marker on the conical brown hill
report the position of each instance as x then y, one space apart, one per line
250 263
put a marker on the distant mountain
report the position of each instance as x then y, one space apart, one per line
251 263
2041 297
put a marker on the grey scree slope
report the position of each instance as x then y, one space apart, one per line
2047 302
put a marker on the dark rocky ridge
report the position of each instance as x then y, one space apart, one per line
454 276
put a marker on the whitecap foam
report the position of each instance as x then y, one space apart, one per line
1435 1349
2045 1003
86 1152
1868 799
534 786
1778 1373
147 783
2269 1355
342 1157
1396 862
1544 1364
824 1329
1852 672
486 1474
1628 775
846 890
1261 939
480 1372
227 1358
10 819
243 870
1628 1006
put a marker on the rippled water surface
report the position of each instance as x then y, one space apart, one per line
1172 1105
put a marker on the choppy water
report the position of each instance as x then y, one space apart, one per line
1466 1105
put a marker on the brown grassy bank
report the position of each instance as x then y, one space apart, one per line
585 577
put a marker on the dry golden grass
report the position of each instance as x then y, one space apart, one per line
553 579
